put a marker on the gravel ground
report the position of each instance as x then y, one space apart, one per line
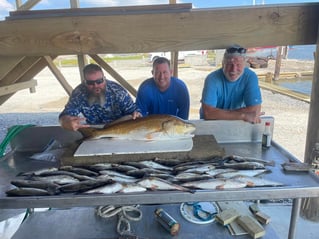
43 107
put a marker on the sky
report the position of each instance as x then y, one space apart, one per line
9 5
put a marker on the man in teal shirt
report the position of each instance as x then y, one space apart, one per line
232 92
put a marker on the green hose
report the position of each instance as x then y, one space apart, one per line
12 132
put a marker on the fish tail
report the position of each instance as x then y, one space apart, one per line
271 163
88 133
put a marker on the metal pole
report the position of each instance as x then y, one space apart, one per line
294 217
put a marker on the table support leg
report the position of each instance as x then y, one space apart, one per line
294 217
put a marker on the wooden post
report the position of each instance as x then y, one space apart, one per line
310 206
174 54
278 63
82 59
174 63
269 77
285 52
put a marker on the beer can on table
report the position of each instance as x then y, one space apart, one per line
167 221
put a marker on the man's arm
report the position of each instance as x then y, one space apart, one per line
249 114
72 122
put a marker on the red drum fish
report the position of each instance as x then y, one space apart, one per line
152 127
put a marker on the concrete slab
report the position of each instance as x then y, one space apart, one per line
280 219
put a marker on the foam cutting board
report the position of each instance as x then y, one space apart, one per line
107 146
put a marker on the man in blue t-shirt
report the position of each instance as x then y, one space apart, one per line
163 94
232 92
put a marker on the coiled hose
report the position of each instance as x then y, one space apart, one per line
12 132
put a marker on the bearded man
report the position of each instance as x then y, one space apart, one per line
97 101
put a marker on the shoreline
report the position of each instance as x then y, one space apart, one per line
43 107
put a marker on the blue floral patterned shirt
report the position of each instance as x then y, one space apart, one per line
118 103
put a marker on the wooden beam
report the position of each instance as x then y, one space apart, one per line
114 74
5 90
174 63
278 63
74 3
142 31
82 61
26 76
284 91
19 70
310 206
27 5
57 73
100 11
313 122
7 63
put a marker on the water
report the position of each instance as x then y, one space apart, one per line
302 52
298 85
298 52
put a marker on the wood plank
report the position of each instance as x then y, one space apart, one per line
4 90
143 32
28 5
114 74
205 147
7 63
21 68
26 76
58 74
284 91
82 61
120 10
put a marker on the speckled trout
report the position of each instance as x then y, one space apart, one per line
153 127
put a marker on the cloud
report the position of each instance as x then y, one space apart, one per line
5 8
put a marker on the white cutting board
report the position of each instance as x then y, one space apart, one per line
110 146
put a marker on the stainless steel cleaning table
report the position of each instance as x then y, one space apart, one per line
237 138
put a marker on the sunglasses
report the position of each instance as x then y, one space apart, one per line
93 82
239 50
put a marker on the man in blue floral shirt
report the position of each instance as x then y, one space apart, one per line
99 100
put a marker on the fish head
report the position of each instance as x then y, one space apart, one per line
178 127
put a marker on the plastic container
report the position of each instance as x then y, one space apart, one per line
266 137
167 221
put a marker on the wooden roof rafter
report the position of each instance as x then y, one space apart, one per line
142 31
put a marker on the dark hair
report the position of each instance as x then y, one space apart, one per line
161 60
91 68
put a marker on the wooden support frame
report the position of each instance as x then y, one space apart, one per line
140 30
13 88
114 74
27 5
67 87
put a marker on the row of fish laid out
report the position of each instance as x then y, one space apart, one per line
158 174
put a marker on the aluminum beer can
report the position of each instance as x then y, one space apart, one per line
167 221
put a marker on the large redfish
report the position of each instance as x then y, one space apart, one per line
152 127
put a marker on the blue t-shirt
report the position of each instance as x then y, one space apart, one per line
174 101
118 103
221 93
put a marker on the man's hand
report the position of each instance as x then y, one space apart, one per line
136 115
72 122
252 117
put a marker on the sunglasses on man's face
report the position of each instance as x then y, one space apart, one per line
93 82
239 50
